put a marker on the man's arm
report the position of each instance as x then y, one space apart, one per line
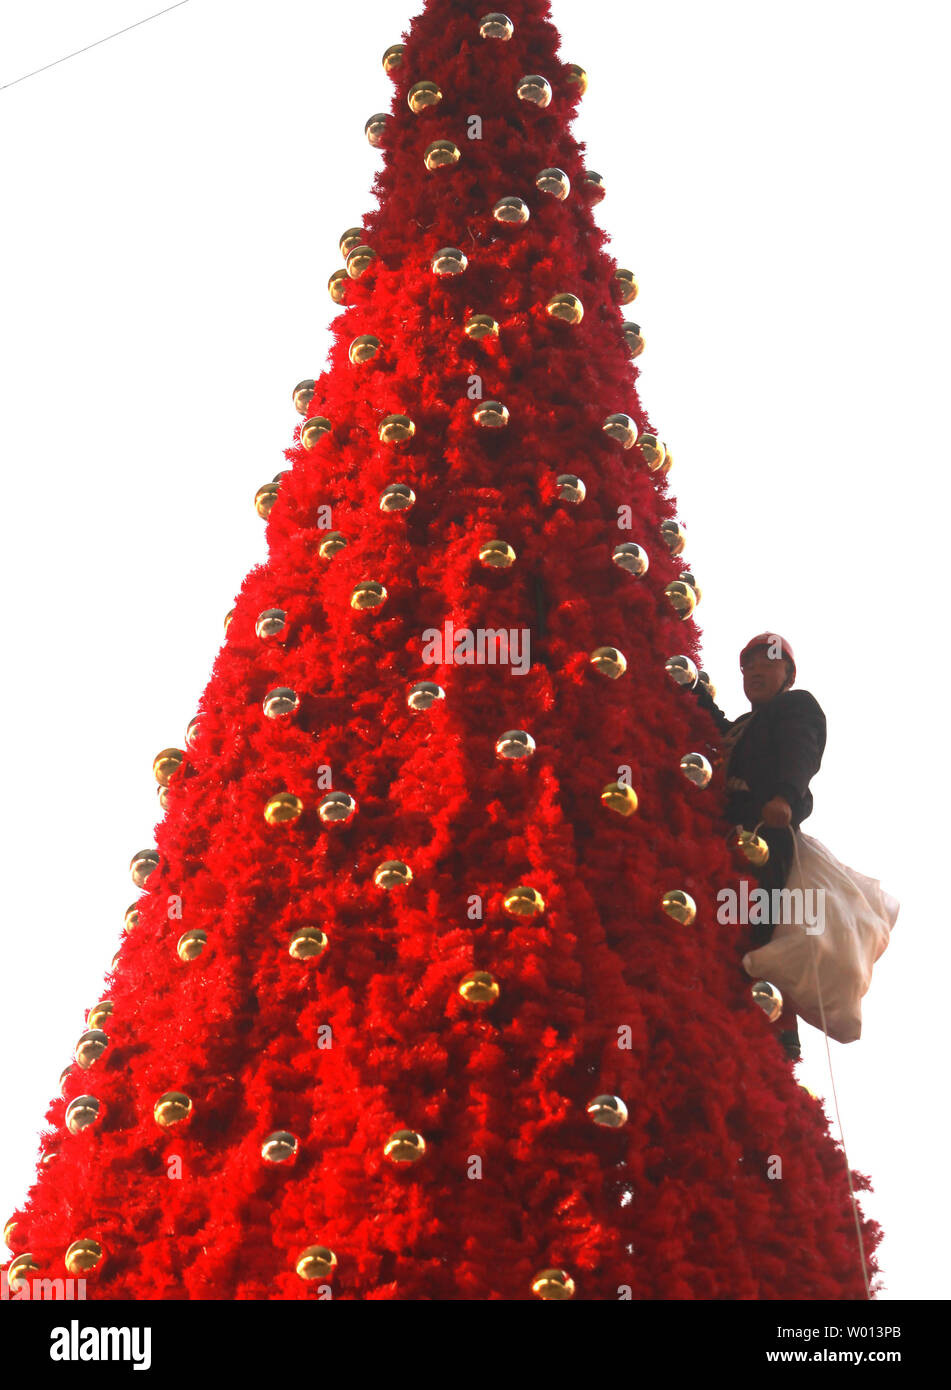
799 731
705 700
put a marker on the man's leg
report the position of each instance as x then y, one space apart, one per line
773 874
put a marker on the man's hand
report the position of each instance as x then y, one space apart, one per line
776 813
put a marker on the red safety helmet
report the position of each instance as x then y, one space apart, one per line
770 639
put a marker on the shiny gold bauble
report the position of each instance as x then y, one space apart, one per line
82 1255
283 807
682 598
681 670
81 1113
491 415
696 768
303 394
514 743
337 285
653 450
631 557
570 488
316 1262
608 661
566 307
368 594
392 873
404 1146
673 535
619 798
20 1271
553 1284
577 77
9 1233
554 181
397 497
393 57
479 987
626 282
633 337
423 695
396 429
351 238
421 95
707 684
279 1147
336 808
64 1075
131 919
307 942
271 623
441 154
90 1047
191 943
359 261
608 1111
100 1013
364 349
228 616
142 865
265 497
680 906
281 702
332 543
753 848
523 901
375 128
192 732
496 555
511 211
479 326
166 763
449 260
594 184
496 26
49 1157
768 997
171 1109
313 430
534 89
622 428
688 578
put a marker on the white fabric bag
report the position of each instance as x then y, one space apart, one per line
837 931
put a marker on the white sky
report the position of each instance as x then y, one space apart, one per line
172 204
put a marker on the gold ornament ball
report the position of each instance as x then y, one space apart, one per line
90 1047
191 944
131 919
496 26
707 684
523 901
404 1146
375 129
316 1262
64 1074
336 808
143 865
491 415
393 58
397 497
441 154
364 349
281 702
303 394
514 744
752 847
192 732
100 1013
673 535
565 307
307 942
368 595
619 798
570 488
577 77
626 282
653 451
279 1147
768 997
265 497
331 545
555 182
9 1233
553 1284
351 238
337 285
608 661
166 764
633 337
682 598
696 768
82 1256
688 578
359 261
228 616
313 430
631 557
496 555
81 1113
421 95
479 326
681 670
271 623
511 211
622 428
479 987
608 1111
396 429
20 1271
680 906
449 260
283 807
534 89
423 695
392 873
171 1109
594 184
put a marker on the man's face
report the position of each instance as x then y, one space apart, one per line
763 676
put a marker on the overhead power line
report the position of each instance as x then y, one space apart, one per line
46 66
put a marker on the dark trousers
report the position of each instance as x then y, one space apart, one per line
773 874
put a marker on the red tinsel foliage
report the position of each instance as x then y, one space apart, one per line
601 992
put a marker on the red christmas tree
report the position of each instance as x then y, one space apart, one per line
426 996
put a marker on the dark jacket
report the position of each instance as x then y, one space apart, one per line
778 753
